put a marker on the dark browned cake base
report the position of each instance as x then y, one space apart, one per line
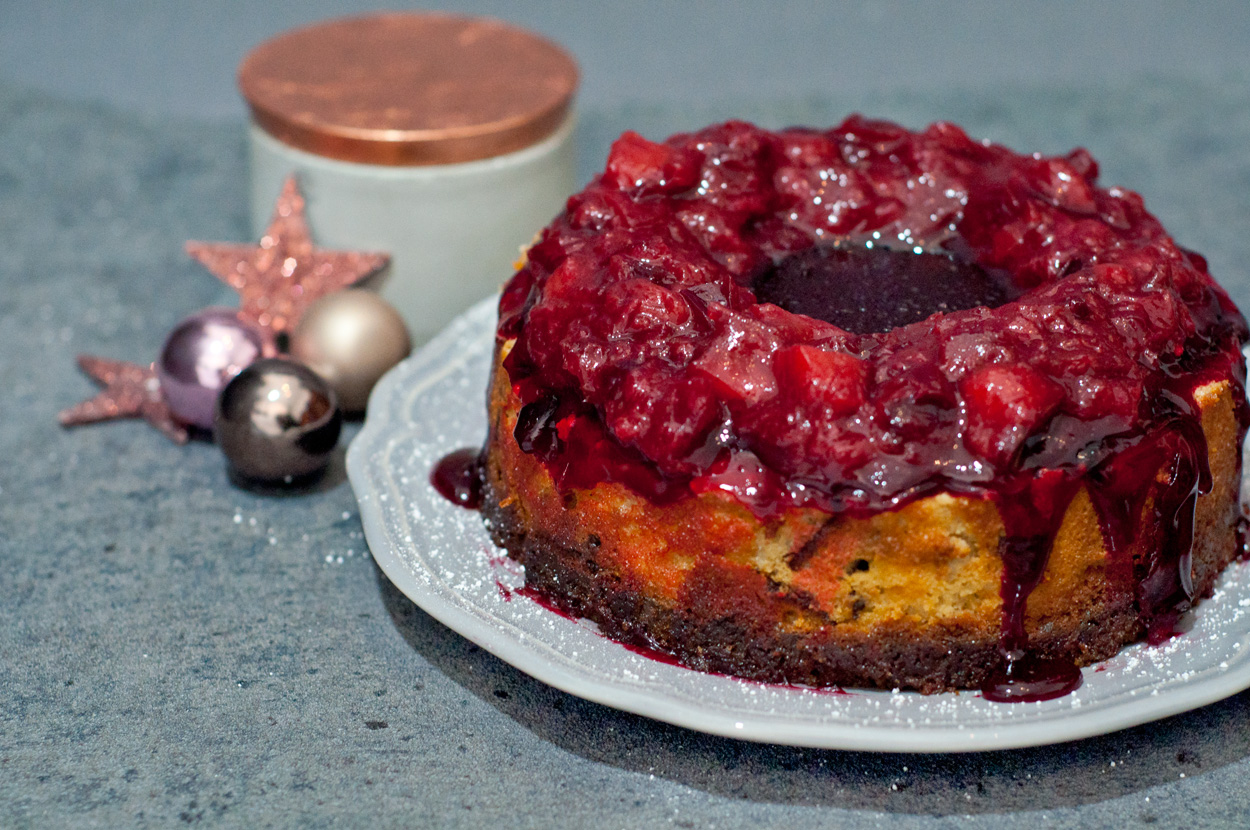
702 639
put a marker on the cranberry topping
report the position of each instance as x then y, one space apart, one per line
743 311
1161 574
458 478
1029 679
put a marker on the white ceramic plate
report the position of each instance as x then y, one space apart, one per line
441 557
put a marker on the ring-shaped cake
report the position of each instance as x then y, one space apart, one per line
866 407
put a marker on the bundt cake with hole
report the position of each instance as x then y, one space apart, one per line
866 407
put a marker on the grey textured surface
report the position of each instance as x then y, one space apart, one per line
161 57
174 649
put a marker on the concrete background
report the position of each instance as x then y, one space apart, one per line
175 650
179 58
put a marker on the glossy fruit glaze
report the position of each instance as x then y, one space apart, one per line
961 318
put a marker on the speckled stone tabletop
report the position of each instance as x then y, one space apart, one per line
175 650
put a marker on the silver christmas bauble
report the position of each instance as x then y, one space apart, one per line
350 338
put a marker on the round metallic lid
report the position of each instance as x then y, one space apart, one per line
409 89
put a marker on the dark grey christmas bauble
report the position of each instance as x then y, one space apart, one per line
277 422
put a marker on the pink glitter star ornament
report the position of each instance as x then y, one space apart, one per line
285 273
130 391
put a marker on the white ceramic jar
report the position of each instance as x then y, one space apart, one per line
444 141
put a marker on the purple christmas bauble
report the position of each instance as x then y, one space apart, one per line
200 356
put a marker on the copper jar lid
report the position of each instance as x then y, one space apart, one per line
409 89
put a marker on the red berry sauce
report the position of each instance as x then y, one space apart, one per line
856 318
458 478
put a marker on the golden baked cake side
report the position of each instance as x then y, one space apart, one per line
905 598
